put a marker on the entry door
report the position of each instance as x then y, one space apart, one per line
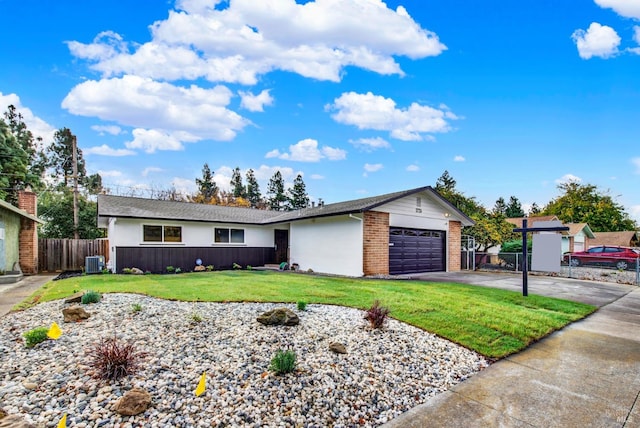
281 240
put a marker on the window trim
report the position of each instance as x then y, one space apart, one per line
162 240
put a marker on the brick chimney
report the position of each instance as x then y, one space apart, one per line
28 253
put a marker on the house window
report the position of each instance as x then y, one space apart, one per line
234 236
162 233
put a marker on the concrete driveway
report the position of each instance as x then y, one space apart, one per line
12 294
586 375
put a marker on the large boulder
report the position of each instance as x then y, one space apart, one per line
279 316
75 313
338 348
133 402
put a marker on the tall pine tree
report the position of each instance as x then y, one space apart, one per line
207 187
298 197
239 191
276 198
253 190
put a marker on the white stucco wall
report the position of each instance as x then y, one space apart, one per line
328 245
124 232
425 214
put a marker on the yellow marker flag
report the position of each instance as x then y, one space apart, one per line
202 385
54 332
63 422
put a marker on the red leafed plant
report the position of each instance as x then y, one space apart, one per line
376 315
113 359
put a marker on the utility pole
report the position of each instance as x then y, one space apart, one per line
75 187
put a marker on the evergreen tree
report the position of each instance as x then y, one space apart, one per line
514 208
13 164
298 197
61 158
239 191
446 183
276 198
500 208
253 190
55 207
207 187
534 210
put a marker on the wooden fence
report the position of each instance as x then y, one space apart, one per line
55 255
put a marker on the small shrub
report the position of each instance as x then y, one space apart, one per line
105 271
113 359
283 362
302 305
126 271
209 268
376 315
237 266
35 336
195 317
178 270
249 267
91 297
170 269
147 272
136 307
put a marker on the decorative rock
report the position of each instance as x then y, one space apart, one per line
15 421
199 268
338 348
30 385
133 402
279 316
136 271
76 298
75 313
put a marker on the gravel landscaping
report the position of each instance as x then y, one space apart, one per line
383 374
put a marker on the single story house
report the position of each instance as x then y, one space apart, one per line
577 238
409 231
628 238
19 235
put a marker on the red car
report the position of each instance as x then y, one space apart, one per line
620 257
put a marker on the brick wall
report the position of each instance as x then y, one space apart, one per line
28 252
455 243
376 243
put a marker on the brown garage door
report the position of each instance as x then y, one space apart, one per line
416 250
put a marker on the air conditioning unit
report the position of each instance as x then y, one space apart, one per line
93 264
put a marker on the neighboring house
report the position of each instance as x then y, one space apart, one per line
577 238
404 232
619 239
19 235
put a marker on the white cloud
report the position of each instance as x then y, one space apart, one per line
317 177
634 212
239 40
151 140
567 178
636 163
459 158
150 169
107 129
371 144
105 150
598 41
37 126
187 114
626 8
372 167
307 151
184 186
264 173
252 102
112 173
413 168
636 38
369 111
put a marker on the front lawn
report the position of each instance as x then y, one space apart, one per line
493 322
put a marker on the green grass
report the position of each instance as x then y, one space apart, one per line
491 321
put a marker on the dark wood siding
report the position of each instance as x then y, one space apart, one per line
156 259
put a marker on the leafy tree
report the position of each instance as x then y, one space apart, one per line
500 208
61 158
22 164
276 198
534 210
239 191
446 186
207 187
253 190
514 208
55 207
585 203
298 197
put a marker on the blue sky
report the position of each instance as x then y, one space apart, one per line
362 97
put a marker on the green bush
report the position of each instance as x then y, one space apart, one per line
283 362
136 307
209 268
170 269
91 297
35 336
195 317
178 270
237 266
302 305
126 271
